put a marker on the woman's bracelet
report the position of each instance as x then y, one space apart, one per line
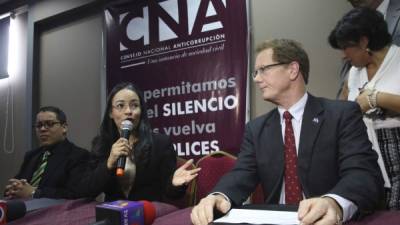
371 98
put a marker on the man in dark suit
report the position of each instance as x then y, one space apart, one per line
391 10
324 159
51 169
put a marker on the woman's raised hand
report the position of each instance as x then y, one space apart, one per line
183 176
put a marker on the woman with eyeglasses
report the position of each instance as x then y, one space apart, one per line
150 170
374 83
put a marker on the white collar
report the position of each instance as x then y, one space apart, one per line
295 110
383 7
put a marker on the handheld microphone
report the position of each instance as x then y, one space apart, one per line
149 212
11 210
126 127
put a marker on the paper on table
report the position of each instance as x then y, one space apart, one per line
259 217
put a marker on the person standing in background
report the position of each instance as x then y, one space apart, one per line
391 12
374 83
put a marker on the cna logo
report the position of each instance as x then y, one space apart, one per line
171 19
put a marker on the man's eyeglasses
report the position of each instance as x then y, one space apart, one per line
46 124
263 69
121 106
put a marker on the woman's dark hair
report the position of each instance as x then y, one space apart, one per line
357 23
109 132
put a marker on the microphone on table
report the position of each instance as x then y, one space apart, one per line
125 212
11 210
126 127
149 212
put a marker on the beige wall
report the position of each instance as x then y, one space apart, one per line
45 8
309 22
70 73
13 143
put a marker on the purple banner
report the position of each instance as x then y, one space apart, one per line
190 58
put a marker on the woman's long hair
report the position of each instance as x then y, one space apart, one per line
109 133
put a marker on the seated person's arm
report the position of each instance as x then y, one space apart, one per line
18 189
325 210
360 185
176 180
183 175
234 187
203 213
380 99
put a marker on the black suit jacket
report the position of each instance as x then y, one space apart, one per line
334 156
393 20
153 180
61 172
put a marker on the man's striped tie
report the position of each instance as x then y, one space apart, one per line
37 175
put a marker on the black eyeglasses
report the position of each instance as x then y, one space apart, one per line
46 124
122 106
263 69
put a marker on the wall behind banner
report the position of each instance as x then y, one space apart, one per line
309 22
296 19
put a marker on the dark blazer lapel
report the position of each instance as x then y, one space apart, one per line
393 16
31 165
312 120
56 160
272 142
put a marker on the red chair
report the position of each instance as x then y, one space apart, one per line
188 199
257 197
213 167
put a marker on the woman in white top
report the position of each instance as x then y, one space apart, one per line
374 82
